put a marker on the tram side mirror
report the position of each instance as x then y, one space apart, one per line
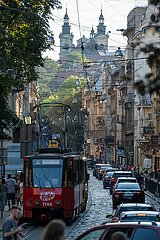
88 176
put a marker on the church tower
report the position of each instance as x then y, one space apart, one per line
101 28
101 37
66 37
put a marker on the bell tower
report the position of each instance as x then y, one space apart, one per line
66 37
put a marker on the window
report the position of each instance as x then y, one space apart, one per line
127 230
145 233
93 235
26 175
47 173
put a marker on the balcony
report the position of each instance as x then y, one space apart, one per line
145 103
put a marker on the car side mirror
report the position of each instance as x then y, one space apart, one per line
109 216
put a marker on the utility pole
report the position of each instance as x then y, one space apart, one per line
1 178
65 129
115 138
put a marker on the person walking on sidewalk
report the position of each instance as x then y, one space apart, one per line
11 189
10 229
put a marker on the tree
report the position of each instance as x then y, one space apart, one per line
47 83
24 34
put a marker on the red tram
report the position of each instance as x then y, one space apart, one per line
55 185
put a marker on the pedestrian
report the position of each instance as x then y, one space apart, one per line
3 193
118 236
129 167
21 193
11 231
55 230
18 190
11 189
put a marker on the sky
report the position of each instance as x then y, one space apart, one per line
115 17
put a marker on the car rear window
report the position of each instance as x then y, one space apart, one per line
109 174
131 186
125 209
103 168
140 218
145 233
127 180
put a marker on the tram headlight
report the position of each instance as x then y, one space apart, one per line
37 202
57 202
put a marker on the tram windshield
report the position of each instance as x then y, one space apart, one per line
47 173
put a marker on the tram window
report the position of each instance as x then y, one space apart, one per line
70 178
26 175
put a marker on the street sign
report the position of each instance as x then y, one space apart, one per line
88 140
119 152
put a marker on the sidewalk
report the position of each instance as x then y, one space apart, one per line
6 213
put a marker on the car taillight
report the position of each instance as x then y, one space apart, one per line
115 220
107 179
113 179
100 171
117 194
139 193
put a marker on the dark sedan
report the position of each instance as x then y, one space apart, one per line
118 174
106 179
128 192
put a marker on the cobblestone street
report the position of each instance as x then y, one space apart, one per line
98 206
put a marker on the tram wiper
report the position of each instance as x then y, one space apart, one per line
49 181
38 181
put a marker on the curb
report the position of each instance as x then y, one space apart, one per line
152 196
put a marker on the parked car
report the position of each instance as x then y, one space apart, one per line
89 163
119 174
126 207
95 168
124 179
102 170
109 170
106 179
133 231
128 192
143 216
99 167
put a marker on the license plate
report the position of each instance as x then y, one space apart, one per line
128 195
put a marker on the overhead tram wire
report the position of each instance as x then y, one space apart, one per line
82 47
